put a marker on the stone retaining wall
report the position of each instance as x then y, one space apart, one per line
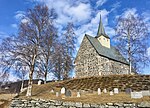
39 103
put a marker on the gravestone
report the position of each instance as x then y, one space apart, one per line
62 91
78 94
39 82
145 92
99 91
136 95
116 91
68 93
100 74
6 88
128 90
111 93
57 94
105 91
52 91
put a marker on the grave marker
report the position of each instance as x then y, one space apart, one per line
145 93
111 93
136 95
105 91
68 93
78 94
99 91
62 91
116 91
52 91
100 74
128 90
57 94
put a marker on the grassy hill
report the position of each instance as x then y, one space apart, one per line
88 88
135 82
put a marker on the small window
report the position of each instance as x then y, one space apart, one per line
104 38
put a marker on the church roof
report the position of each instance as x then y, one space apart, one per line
101 30
111 53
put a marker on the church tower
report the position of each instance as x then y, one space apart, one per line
102 37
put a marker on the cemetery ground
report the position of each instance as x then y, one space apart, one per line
87 87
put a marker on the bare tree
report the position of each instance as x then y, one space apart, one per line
69 45
32 33
132 36
58 61
6 62
47 47
26 47
63 55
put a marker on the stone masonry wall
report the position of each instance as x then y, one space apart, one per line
90 63
22 103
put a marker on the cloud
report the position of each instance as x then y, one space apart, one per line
3 35
115 6
100 2
12 77
24 20
80 12
110 31
14 25
146 18
19 15
132 11
92 26
70 10
127 12
148 51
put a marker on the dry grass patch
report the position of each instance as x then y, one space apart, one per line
105 98
39 92
136 82
5 100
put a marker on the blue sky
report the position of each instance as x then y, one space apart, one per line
83 13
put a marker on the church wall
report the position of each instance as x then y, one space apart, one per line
85 64
90 63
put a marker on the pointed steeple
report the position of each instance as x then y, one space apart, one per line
101 30
102 37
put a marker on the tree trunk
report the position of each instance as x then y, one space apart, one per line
129 51
22 85
45 77
29 89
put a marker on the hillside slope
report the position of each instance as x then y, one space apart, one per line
91 84
135 82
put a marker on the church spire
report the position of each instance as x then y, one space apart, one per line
102 37
101 30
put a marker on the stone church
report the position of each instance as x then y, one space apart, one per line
97 57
